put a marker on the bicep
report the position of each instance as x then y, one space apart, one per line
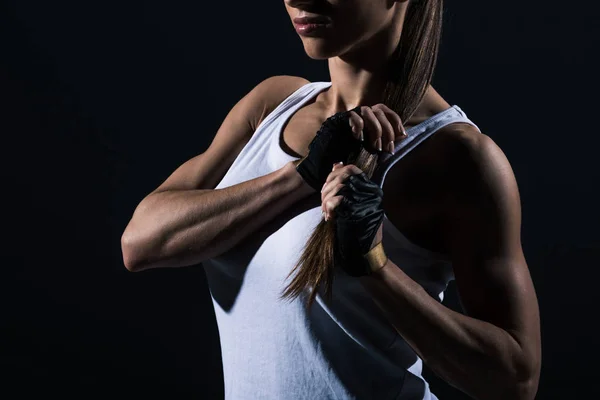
483 236
206 170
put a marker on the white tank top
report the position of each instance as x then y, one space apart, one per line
275 349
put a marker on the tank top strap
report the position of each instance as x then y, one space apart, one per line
416 135
272 125
295 100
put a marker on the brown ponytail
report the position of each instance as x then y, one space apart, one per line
410 73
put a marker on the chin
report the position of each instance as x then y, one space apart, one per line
320 51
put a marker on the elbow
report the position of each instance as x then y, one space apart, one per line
130 264
142 252
522 390
528 387
131 254
517 378
513 388
526 379
524 368
139 241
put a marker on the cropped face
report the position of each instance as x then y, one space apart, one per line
329 28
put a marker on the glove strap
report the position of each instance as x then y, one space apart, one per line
376 258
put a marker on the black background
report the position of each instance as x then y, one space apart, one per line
100 101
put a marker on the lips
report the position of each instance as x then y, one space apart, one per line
316 20
312 25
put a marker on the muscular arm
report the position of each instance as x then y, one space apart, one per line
184 221
493 351
175 228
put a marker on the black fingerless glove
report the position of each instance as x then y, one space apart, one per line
357 220
333 143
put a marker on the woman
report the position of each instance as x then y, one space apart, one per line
247 205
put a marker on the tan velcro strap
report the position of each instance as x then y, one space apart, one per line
376 257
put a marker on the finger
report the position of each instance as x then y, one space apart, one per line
344 171
372 128
331 205
334 172
333 180
395 120
336 166
387 131
356 123
331 190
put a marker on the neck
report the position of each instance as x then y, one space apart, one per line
359 76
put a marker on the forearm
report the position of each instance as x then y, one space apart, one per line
180 228
476 357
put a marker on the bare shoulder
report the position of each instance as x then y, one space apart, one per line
272 91
467 148
205 170
478 173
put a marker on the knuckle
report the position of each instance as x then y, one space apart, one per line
389 129
378 129
393 116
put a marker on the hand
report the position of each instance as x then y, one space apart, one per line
382 125
333 142
357 204
335 181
